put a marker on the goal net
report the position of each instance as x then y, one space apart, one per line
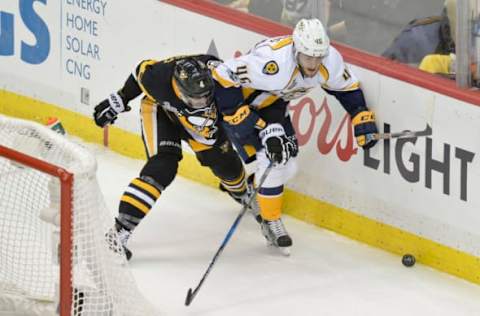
55 258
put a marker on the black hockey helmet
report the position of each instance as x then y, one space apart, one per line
194 82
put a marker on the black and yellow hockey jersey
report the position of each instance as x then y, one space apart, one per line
155 80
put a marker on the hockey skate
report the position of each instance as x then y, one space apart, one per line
118 234
277 235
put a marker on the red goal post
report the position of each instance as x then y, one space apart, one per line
54 254
66 182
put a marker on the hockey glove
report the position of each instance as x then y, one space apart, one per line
278 146
365 129
106 112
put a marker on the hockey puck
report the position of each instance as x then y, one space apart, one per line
408 260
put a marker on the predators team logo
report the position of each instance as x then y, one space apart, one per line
270 68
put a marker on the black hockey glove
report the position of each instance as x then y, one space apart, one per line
106 112
365 129
278 146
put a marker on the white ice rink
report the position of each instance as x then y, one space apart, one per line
326 273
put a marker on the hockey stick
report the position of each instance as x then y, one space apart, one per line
405 134
191 294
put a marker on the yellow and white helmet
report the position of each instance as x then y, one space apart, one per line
310 38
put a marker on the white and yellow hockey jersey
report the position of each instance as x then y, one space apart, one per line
270 71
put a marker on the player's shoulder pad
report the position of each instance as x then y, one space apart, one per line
273 54
271 63
151 76
224 74
334 62
340 77
142 67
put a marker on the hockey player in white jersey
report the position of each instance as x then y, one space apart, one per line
258 87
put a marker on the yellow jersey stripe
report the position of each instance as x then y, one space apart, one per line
196 146
235 181
324 72
147 187
282 43
295 73
224 82
268 101
127 199
250 150
352 87
175 88
239 187
247 92
149 115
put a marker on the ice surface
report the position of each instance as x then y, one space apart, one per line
326 274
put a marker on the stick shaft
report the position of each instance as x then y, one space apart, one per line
191 294
405 134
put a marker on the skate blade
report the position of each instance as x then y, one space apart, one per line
283 250
256 217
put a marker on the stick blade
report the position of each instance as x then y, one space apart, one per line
405 134
426 132
189 297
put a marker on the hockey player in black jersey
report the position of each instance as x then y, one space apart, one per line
178 104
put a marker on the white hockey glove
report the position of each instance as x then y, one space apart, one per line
106 112
278 146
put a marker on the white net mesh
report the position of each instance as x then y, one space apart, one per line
29 232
